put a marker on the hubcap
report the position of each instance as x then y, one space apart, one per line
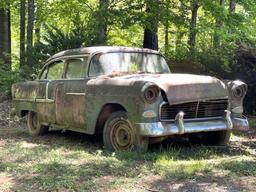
122 137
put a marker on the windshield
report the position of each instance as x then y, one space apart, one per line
123 62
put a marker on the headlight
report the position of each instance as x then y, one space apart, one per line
238 89
150 92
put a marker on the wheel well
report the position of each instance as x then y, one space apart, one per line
106 111
23 113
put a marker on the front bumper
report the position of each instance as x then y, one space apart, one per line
180 126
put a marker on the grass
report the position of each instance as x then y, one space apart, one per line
75 162
252 122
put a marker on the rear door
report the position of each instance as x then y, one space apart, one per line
52 78
70 95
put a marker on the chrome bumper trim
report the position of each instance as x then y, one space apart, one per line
240 123
157 129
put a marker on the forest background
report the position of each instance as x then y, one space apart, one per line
212 37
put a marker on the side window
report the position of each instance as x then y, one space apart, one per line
76 68
95 66
55 70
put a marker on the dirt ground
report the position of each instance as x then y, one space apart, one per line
76 162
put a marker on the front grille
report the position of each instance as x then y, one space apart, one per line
193 110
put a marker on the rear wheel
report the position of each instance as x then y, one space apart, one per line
211 138
34 126
119 135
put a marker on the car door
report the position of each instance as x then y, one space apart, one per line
70 96
52 77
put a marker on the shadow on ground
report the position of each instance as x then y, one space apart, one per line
112 171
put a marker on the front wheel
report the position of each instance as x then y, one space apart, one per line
34 126
119 135
211 138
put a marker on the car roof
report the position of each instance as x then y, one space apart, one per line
99 49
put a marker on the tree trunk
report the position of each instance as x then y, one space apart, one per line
183 9
5 38
192 35
166 29
30 28
37 34
150 32
232 6
232 10
219 24
22 33
102 33
166 37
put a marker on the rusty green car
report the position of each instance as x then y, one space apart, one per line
129 97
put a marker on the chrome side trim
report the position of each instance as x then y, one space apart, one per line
47 90
44 100
21 99
76 94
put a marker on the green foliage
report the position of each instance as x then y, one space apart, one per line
56 40
134 68
7 78
76 23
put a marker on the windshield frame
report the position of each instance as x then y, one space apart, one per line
101 53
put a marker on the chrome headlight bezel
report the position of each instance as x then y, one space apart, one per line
237 89
150 92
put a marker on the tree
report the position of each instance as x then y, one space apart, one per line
30 28
232 6
22 32
166 18
5 37
192 34
102 35
150 32
181 26
219 24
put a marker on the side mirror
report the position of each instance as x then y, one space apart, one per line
33 77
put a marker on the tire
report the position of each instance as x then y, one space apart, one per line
34 126
220 138
119 135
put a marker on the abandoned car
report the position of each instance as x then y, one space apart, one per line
130 98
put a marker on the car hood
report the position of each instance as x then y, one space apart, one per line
179 88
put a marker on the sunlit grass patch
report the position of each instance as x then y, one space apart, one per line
189 169
181 169
240 166
57 163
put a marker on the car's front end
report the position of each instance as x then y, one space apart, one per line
191 104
